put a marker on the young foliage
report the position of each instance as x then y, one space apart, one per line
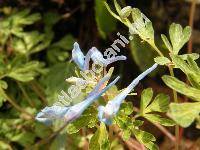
99 140
149 107
88 119
178 36
185 113
145 138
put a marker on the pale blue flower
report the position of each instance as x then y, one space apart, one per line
68 114
106 113
94 54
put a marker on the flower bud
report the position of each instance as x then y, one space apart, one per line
125 12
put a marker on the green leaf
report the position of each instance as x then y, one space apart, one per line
126 134
25 138
158 119
166 42
126 108
99 140
181 87
139 50
24 18
161 60
145 138
193 56
159 104
190 68
180 63
103 18
142 26
59 143
89 118
193 65
178 36
26 72
185 113
146 97
5 146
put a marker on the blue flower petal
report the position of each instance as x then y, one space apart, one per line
68 114
77 56
107 113
94 54
97 58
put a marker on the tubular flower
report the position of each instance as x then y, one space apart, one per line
106 113
94 54
69 114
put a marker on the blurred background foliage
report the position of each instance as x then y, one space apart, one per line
36 39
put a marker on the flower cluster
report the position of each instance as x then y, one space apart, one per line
105 113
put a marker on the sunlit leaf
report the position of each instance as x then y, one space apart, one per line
182 87
185 113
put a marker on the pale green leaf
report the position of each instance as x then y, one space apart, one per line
181 87
89 118
185 113
166 42
146 97
193 56
145 138
142 26
178 36
99 140
161 60
159 104
160 120
127 108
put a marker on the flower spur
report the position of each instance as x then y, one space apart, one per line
106 113
94 54
69 114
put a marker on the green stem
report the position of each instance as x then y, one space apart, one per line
176 101
37 89
26 95
16 106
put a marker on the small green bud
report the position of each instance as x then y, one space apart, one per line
125 12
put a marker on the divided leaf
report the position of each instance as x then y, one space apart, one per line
145 138
99 140
88 119
26 72
181 87
184 114
159 104
178 36
142 26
